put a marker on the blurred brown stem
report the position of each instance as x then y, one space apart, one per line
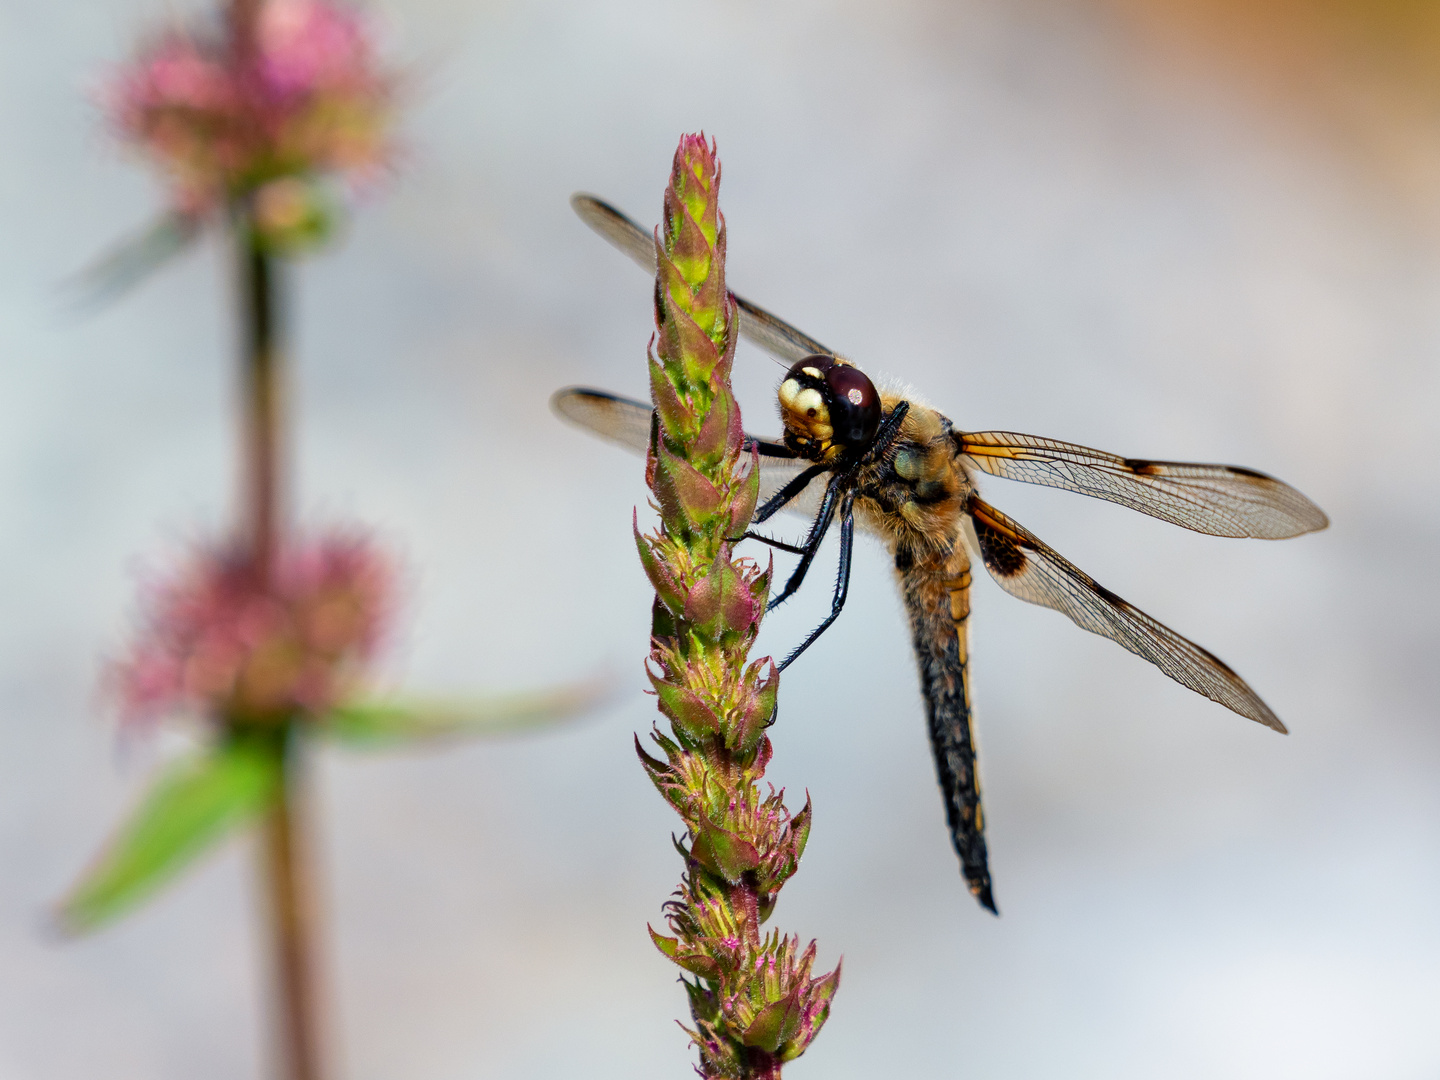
243 16
285 863
259 287
292 920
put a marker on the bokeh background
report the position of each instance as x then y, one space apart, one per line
1188 229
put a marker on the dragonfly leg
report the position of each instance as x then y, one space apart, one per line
889 431
793 549
817 533
842 579
776 502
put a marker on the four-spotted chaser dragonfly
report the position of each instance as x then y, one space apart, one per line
907 475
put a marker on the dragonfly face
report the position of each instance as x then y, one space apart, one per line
829 407
853 453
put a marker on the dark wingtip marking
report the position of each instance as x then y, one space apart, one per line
1252 473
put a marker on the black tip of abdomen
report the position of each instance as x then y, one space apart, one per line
980 889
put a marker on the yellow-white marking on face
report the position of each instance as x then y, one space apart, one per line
810 402
814 373
788 389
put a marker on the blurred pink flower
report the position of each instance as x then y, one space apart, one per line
214 641
306 98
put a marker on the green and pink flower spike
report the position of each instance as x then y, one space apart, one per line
754 1000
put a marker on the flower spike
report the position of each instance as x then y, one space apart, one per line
753 1000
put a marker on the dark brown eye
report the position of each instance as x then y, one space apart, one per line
854 405
835 394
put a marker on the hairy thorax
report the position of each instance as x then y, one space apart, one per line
915 494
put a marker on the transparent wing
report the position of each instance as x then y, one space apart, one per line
771 333
627 422
1026 567
775 335
618 229
1223 500
616 419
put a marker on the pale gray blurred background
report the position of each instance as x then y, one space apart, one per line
1184 229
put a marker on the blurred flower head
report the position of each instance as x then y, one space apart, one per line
302 98
214 640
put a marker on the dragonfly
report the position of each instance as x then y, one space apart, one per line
855 453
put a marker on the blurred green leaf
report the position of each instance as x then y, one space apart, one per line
130 261
193 804
385 723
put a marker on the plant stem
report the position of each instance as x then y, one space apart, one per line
285 860
259 287
292 919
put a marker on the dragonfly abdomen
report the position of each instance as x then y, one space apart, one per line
935 585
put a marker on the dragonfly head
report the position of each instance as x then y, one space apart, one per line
828 406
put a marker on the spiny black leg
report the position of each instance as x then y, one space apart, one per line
889 431
842 580
776 502
793 549
817 533
767 448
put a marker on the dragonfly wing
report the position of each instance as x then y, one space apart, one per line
1223 500
627 422
775 335
618 229
1026 567
771 333
613 418
936 591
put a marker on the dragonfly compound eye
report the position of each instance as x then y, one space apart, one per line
854 405
828 405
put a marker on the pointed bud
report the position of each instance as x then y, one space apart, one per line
667 589
676 418
671 284
684 708
685 496
683 338
712 442
653 766
721 600
744 499
692 250
776 1024
758 707
723 367
723 853
800 830
815 1003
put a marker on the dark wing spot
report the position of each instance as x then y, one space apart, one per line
1142 467
1110 598
1002 555
1242 471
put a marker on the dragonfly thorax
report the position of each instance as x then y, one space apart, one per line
828 407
